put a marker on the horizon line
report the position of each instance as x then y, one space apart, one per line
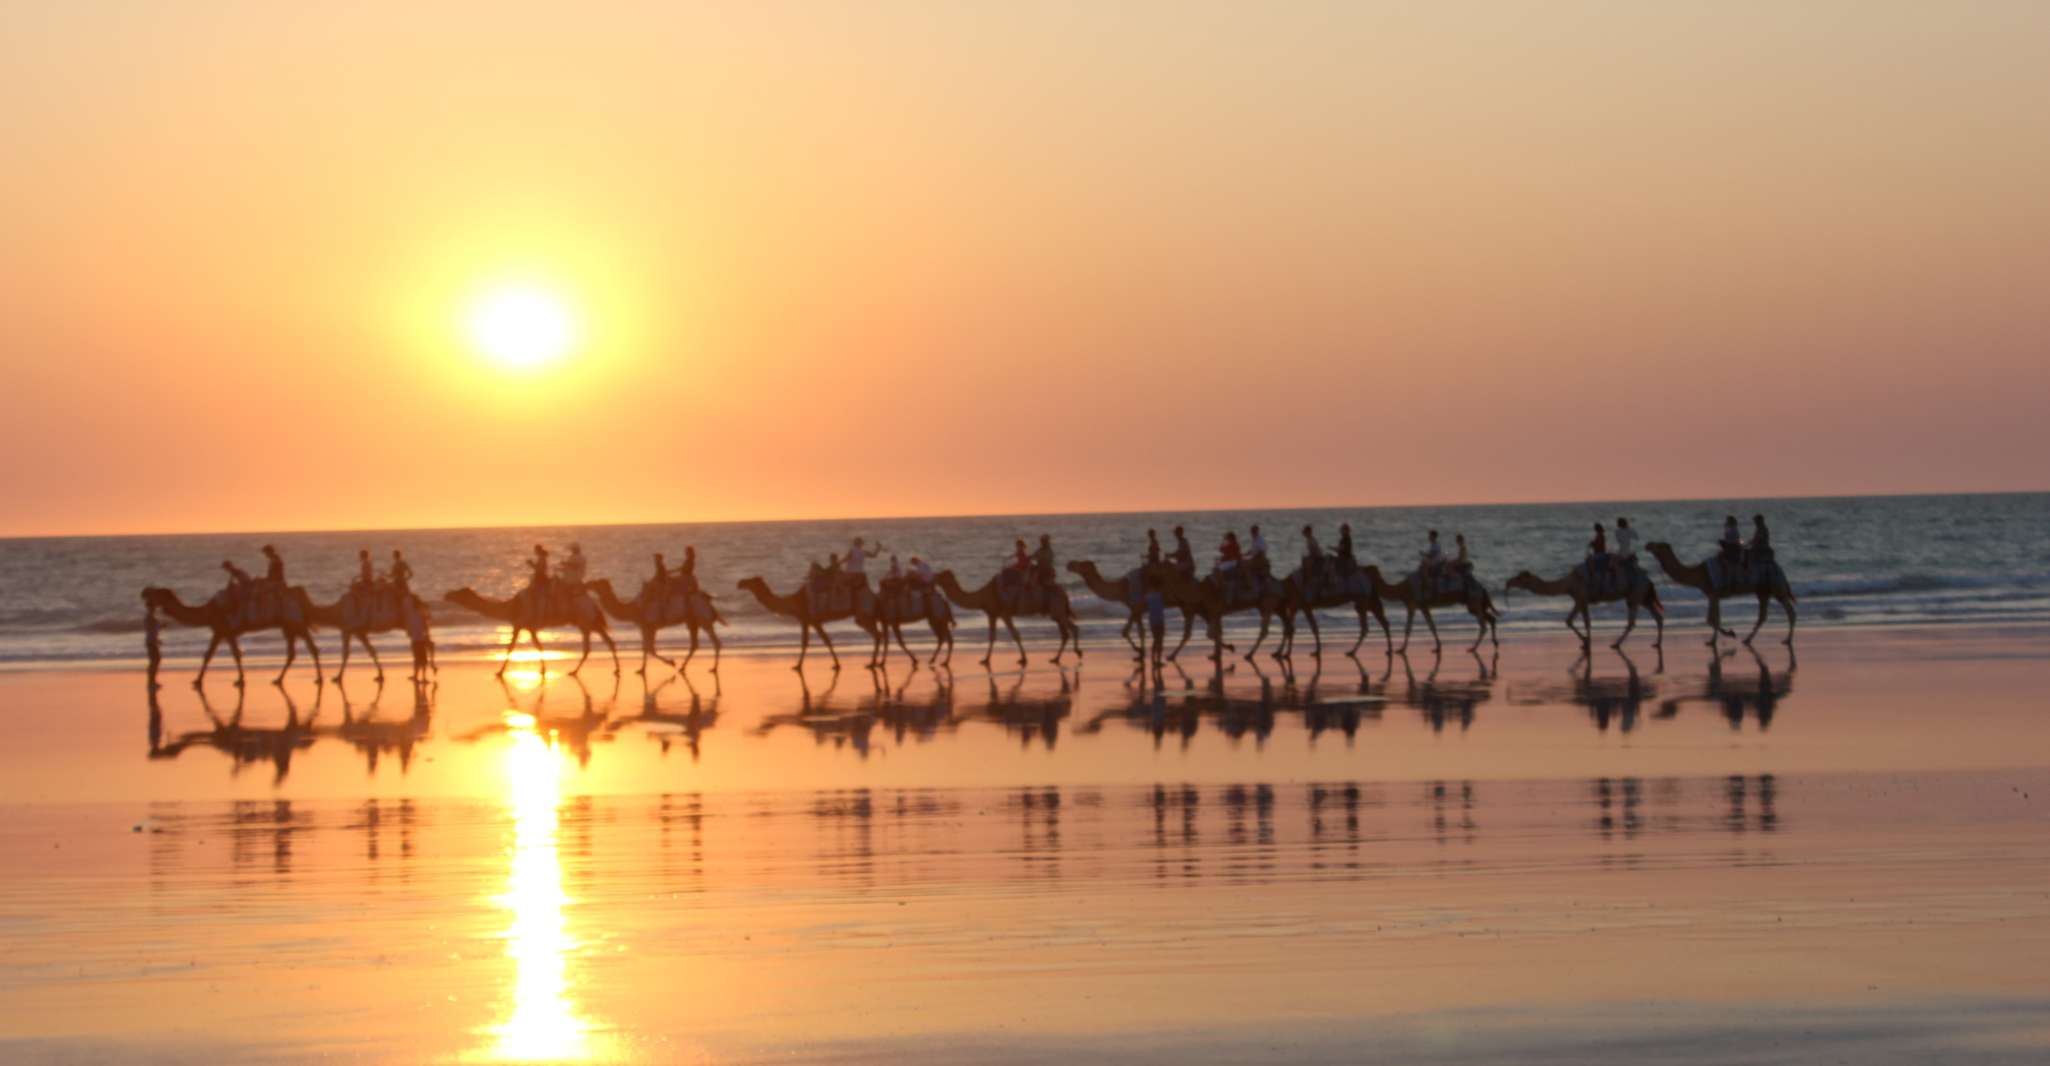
996 514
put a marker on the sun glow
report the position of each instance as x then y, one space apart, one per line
521 326
543 1024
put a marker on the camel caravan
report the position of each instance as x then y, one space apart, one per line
1241 581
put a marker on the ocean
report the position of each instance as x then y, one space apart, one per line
1852 561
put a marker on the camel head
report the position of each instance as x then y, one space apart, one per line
465 596
158 597
1524 579
752 584
1080 566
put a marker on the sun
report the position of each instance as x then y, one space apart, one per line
521 326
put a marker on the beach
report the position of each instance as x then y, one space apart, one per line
1519 855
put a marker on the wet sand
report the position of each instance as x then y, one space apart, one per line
1514 859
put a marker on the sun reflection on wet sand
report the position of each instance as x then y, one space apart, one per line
543 1024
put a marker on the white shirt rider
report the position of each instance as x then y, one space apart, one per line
854 560
1626 541
1256 548
923 569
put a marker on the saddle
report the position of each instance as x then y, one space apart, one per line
1605 580
1020 593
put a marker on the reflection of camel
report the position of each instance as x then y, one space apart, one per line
696 612
1635 592
1356 591
826 724
361 612
1443 701
1608 700
560 731
571 608
372 737
1027 717
1128 593
1413 599
666 727
1773 587
1758 695
289 614
1052 602
244 745
802 607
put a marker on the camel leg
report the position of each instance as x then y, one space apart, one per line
1316 636
1629 623
1138 646
606 636
908 653
1012 626
1408 624
1354 651
292 656
803 644
1715 620
584 655
1188 625
1437 644
1075 634
692 652
717 647
1572 614
235 648
990 651
510 647
1787 604
1764 608
1658 616
344 668
372 649
205 660
828 639
1480 619
1266 622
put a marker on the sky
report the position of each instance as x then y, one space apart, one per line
920 258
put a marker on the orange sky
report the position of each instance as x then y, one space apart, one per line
943 258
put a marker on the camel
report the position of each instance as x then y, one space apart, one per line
290 614
1356 591
987 600
1774 587
1409 594
1124 592
1635 592
361 612
575 610
894 612
1208 597
799 607
695 611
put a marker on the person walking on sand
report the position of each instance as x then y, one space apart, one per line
153 642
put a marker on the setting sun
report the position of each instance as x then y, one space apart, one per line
521 326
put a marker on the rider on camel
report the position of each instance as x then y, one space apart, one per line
1348 563
1313 558
1625 556
1152 547
1184 557
537 580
